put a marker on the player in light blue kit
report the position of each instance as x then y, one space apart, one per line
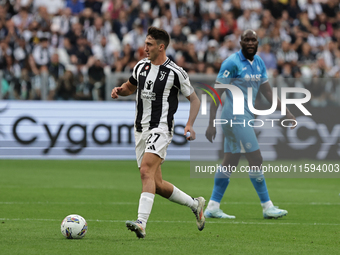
242 69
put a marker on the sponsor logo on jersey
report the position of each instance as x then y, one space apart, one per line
253 77
143 74
148 95
149 83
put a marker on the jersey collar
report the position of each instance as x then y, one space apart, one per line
167 61
242 57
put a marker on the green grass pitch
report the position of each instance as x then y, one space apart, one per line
36 195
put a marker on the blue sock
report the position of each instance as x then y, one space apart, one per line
221 183
259 183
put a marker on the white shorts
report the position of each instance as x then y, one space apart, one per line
154 141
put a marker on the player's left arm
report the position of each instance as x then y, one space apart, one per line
267 92
189 92
195 104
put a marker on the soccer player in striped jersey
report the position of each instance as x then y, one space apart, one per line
242 69
158 81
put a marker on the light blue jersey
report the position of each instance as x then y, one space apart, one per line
241 72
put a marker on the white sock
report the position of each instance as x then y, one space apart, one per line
213 205
266 205
182 198
145 206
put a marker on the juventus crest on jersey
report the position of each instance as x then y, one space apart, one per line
157 93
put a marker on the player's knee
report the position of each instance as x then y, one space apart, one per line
144 172
256 161
231 159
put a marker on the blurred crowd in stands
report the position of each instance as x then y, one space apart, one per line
73 45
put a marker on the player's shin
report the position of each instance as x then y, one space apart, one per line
145 206
259 183
220 185
182 198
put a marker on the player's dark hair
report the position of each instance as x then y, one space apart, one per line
160 35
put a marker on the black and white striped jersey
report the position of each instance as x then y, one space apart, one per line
157 93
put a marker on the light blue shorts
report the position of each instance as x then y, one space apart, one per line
239 138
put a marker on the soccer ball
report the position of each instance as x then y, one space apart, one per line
74 227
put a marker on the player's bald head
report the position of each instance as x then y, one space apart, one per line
248 32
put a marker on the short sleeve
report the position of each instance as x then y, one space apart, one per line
186 87
227 71
134 72
134 77
132 80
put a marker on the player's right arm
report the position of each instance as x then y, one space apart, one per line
126 89
130 85
210 133
225 75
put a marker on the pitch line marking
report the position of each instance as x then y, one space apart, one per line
190 222
163 203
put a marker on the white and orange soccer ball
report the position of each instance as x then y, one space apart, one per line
74 227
